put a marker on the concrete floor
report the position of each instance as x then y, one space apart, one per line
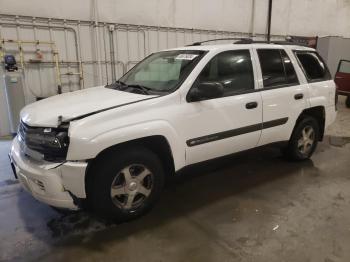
252 207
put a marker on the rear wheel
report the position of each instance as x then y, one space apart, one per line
126 184
304 139
347 102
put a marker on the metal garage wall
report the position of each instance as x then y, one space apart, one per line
76 44
84 47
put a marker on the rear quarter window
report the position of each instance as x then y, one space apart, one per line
315 69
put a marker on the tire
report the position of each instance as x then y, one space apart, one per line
129 170
347 102
299 148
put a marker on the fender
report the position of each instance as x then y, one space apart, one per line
82 149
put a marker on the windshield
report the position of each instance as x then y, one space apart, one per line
161 72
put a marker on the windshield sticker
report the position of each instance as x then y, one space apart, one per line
186 56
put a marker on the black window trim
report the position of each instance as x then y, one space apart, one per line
235 93
285 73
340 61
309 80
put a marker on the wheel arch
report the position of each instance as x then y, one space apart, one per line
156 143
317 112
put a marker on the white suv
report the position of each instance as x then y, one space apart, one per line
111 147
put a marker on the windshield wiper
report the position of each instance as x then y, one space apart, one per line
118 85
145 89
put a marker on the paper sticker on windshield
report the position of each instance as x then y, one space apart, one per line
186 56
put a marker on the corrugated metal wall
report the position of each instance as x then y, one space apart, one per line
76 43
84 47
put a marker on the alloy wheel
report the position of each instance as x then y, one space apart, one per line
131 187
306 140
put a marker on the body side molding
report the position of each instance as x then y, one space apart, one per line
235 132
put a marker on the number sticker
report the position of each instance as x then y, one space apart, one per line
186 56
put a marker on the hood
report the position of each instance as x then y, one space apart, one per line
45 113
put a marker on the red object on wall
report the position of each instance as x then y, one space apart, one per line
342 77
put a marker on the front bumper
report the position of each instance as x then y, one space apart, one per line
56 184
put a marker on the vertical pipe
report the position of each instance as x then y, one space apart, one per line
138 43
105 50
67 55
176 40
116 53
79 55
52 51
111 49
158 38
269 22
97 40
36 50
127 47
252 20
167 37
148 42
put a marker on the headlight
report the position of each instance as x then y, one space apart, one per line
51 142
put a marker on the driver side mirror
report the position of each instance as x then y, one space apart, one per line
205 90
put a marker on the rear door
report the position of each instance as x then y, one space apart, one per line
283 96
342 77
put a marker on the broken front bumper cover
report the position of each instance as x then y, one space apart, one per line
60 185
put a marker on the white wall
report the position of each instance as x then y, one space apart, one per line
290 17
294 17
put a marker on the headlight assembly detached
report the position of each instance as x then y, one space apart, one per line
52 143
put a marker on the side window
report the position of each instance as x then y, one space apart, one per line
344 67
277 69
233 69
314 67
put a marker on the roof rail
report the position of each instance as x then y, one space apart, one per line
251 41
240 40
212 40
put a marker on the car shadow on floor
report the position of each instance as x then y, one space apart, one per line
195 188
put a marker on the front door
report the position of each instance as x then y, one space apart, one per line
231 122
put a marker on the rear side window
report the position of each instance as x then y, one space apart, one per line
277 69
314 68
233 69
344 67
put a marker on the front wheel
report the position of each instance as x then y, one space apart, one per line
126 183
304 139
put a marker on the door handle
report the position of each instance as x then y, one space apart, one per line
298 96
251 105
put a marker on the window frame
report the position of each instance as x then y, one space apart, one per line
182 80
309 80
284 70
340 61
255 89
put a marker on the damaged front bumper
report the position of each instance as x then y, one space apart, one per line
60 185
